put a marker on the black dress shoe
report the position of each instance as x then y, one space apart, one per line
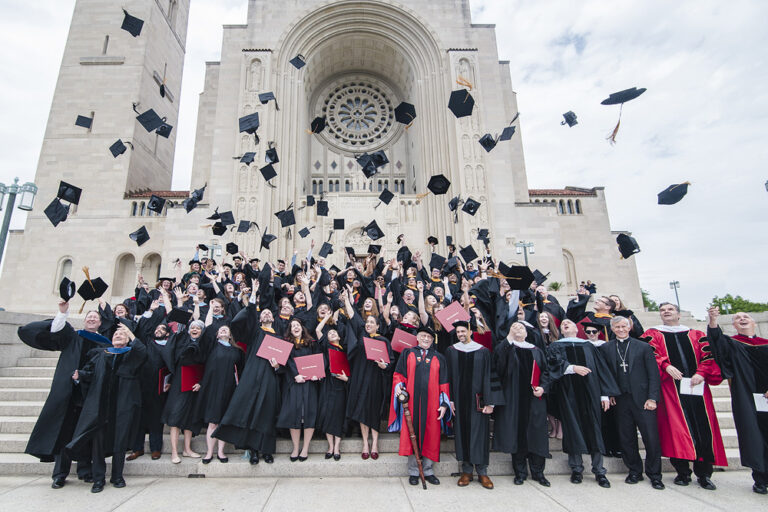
576 477
119 483
681 480
432 479
269 459
632 478
97 486
657 484
337 457
519 480
302 459
294 459
602 481
542 480
414 480
254 458
207 461
58 483
223 460
706 483
328 455
759 489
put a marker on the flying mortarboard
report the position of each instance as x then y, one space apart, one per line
338 224
405 113
322 208
118 148
232 248
271 155
267 239
164 130
437 261
385 197
194 198
150 120
84 122
203 247
218 229
373 231
619 98
374 249
140 236
468 254
488 142
569 119
66 289
627 245
215 215
326 249
673 193
227 218
287 218
438 184
461 103
249 123
317 125
69 193
482 234
449 240
506 133
519 277
266 97
248 158
539 277
470 206
268 172
350 251
304 232
56 212
299 61
92 289
132 24
244 226
156 204
431 240
310 200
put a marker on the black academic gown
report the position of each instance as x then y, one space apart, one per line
469 375
180 350
521 420
152 401
578 398
223 366
112 401
57 420
332 410
744 361
300 401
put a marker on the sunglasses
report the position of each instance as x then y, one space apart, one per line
591 331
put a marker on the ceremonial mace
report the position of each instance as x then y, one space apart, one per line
403 398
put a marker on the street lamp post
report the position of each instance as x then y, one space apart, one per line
674 285
28 192
524 248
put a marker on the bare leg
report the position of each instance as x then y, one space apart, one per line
330 439
210 442
188 445
174 443
364 430
308 432
295 436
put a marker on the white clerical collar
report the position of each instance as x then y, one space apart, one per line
467 347
671 328
521 344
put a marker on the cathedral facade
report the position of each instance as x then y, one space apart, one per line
363 58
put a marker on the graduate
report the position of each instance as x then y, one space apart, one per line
333 390
582 386
520 426
56 424
111 409
688 427
743 359
422 371
473 398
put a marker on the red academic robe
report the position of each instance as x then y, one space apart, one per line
674 433
430 444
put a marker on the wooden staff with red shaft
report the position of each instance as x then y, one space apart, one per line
403 398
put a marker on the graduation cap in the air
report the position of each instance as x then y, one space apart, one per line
227 218
317 125
215 215
310 200
140 236
506 133
453 205
322 208
69 193
248 158
132 24
245 225
619 98
299 61
304 232
119 147
449 240
218 229
405 113
66 289
461 103
350 251
385 197
437 261
194 198
326 249
287 218
374 249
267 239
84 122
373 231
268 172
232 248
150 120
519 277
468 254
673 193
266 97
569 119
203 247
92 289
271 155
249 124
56 212
338 224
438 184
627 245
164 130
482 234
470 206
488 142
432 240
156 204
371 162
539 277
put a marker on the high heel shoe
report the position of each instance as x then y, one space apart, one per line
302 459
375 455
294 459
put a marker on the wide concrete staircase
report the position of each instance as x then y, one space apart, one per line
26 379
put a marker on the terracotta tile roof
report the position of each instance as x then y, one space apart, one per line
568 191
167 194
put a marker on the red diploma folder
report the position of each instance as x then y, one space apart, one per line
162 374
402 340
310 366
190 375
450 314
376 349
338 362
275 347
535 375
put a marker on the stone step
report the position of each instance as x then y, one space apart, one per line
21 408
720 391
38 361
25 382
18 394
388 464
17 424
722 404
28 371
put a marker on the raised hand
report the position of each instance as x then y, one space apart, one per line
63 306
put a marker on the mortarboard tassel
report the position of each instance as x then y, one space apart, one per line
612 137
87 278
330 235
288 234
464 82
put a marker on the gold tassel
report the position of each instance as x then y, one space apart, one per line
612 137
680 184
464 82
422 196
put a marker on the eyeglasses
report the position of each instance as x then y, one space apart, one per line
591 331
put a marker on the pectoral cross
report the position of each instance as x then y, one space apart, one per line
624 366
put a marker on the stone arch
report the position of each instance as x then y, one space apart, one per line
570 268
480 176
561 207
578 206
569 206
63 269
466 69
241 208
255 75
243 179
125 275
150 267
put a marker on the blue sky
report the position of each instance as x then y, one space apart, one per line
702 119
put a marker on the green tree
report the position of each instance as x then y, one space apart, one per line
555 286
648 302
738 303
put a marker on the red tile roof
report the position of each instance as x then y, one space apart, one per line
167 194
568 191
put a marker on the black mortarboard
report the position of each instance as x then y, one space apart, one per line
132 24
203 247
140 236
215 216
266 97
247 158
373 231
218 229
249 123
374 249
539 277
451 264
267 239
244 226
432 240
310 200
627 245
156 204
164 130
468 254
366 165
438 184
518 277
506 133
350 250
304 232
181 316
118 148
470 206
569 119
404 254
322 208
386 196
84 122
268 172
227 218
317 125
453 204
195 197
623 96
232 248
150 120
287 218
298 61
66 289
338 224
436 261
488 142
93 289
482 234
449 240
56 212
334 268
673 193
271 156
69 193
326 249
405 113
461 103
